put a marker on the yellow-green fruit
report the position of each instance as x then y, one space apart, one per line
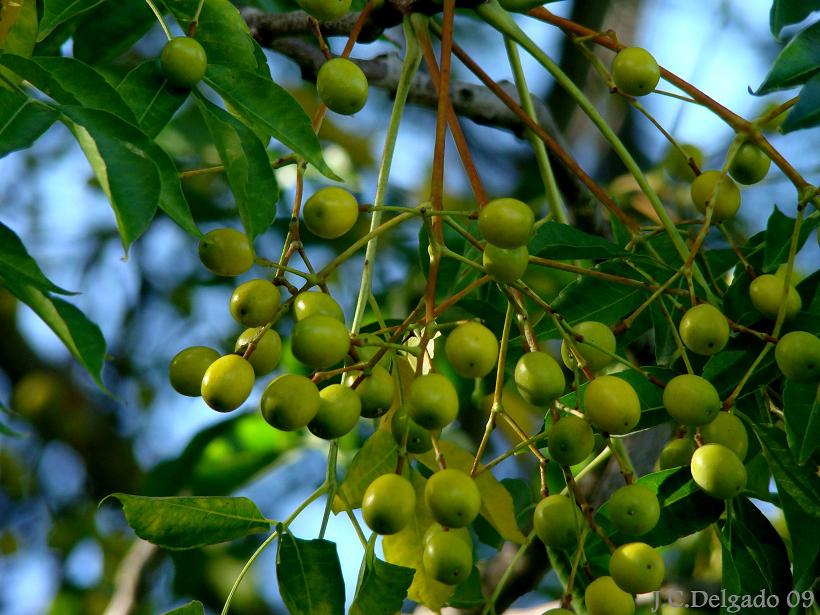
418 438
462 533
635 71
255 303
725 203
472 350
370 345
539 378
798 356
704 329
314 302
570 440
267 353
506 223
637 568
718 471
325 10
226 251
676 453
432 401
749 164
320 341
596 333
342 86
452 497
376 391
677 165
389 504
188 367
634 510
766 294
505 264
557 522
691 400
604 597
612 405
183 62
339 411
729 431
290 402
559 612
447 559
227 383
330 212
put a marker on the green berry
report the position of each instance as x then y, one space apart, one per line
725 203
268 351
290 402
188 367
389 504
339 411
718 471
749 164
226 251
505 264
729 431
462 533
452 497
313 302
342 86
183 62
320 341
472 350
570 440
637 568
557 522
691 400
634 510
432 401
612 405
704 329
766 294
539 378
506 223
635 71
447 559
604 597
376 391
227 383
676 453
596 333
418 438
370 345
331 212
677 165
326 10
798 356
255 303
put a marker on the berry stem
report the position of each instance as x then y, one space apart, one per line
161 21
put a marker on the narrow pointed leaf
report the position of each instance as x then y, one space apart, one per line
22 121
15 262
152 101
778 238
562 241
192 608
787 12
796 64
310 576
190 522
806 113
92 39
801 409
56 12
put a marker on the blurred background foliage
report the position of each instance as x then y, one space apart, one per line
60 552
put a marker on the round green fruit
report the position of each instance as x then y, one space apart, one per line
447 559
226 251
557 521
596 333
342 87
725 203
452 497
798 356
637 568
462 533
370 345
376 391
612 405
290 402
418 438
676 453
506 223
265 357
559 612
634 510
570 440
718 471
326 10
729 431
704 329
339 411
677 164
766 294
227 383
255 303
691 400
389 504
320 341
314 302
183 62
749 165
331 212
635 71
604 597
539 378
472 350
188 367
432 401
505 264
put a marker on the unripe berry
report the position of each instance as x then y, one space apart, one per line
432 401
320 341
472 350
539 378
634 510
505 264
676 453
342 86
557 522
596 333
604 597
749 164
339 411
506 223
704 329
718 471
637 568
376 391
389 504
729 431
183 62
313 302
766 294
570 440
635 71
268 351
227 383
290 402
452 497
188 367
691 400
330 212
255 303
726 201
447 558
226 251
612 405
798 356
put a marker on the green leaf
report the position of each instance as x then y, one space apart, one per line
685 509
796 64
267 105
754 557
190 522
192 608
22 34
247 168
779 230
806 113
69 82
92 40
564 242
378 455
310 576
801 409
81 336
805 544
147 93
382 587
15 262
468 594
56 12
786 12
22 121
